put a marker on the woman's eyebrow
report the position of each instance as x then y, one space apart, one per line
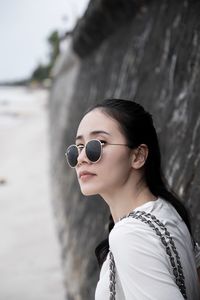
93 133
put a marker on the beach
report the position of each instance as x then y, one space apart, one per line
30 260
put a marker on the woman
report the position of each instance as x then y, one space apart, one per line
149 253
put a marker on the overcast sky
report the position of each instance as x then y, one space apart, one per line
25 26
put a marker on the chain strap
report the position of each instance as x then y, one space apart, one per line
170 248
112 276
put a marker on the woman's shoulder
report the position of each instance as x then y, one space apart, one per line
132 234
135 246
131 231
160 209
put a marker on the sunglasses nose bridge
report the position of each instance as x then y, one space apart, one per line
82 156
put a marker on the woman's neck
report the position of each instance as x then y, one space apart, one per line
126 199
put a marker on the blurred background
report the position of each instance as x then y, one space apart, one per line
32 36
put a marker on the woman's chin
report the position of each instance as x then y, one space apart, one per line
88 192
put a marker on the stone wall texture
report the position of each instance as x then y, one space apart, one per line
147 51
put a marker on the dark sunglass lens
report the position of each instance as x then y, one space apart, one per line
72 155
93 150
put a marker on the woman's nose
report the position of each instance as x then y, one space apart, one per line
82 157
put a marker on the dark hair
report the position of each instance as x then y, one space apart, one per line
137 126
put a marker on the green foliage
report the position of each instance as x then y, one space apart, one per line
54 43
42 71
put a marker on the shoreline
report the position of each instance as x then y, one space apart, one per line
30 255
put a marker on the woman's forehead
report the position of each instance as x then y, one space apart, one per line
97 121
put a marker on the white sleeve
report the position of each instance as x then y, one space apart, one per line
141 262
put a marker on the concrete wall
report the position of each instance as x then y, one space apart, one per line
148 52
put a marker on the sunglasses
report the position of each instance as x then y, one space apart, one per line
93 151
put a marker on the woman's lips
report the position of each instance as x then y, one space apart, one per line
84 175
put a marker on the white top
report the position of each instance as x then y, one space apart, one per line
143 270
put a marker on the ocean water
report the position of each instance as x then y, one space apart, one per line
30 261
17 102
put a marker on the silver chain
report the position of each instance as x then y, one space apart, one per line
170 248
112 276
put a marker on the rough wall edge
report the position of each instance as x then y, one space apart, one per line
101 19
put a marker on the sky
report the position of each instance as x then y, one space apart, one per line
25 27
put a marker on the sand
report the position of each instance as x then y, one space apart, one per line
30 263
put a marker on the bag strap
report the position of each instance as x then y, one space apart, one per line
169 245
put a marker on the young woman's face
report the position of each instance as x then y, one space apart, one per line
114 168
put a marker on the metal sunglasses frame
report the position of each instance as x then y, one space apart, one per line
84 146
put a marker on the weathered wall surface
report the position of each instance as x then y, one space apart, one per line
151 55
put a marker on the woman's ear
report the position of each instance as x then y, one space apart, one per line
139 157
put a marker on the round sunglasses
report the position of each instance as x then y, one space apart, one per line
93 151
